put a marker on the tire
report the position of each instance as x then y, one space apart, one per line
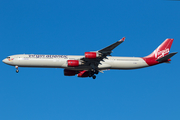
94 77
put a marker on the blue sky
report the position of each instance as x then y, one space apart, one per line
74 27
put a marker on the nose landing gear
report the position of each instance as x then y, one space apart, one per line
16 69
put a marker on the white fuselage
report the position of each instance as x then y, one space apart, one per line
60 61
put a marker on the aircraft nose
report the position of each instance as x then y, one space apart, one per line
4 61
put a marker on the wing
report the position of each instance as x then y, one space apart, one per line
108 50
93 59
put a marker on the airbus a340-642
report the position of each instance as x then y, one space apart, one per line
92 62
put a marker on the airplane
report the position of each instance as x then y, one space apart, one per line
92 62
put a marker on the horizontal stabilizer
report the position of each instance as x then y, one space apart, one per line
165 58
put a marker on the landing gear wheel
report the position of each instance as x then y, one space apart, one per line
94 77
16 69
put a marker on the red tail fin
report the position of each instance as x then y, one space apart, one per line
162 50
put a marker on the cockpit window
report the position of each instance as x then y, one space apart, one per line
8 57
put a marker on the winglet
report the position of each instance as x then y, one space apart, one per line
122 39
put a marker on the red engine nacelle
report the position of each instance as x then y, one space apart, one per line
73 63
69 72
91 55
83 73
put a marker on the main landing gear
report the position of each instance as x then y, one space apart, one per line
16 69
91 74
94 77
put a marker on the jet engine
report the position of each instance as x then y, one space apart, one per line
69 72
83 73
91 55
73 63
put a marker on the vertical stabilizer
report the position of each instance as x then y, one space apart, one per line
162 50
